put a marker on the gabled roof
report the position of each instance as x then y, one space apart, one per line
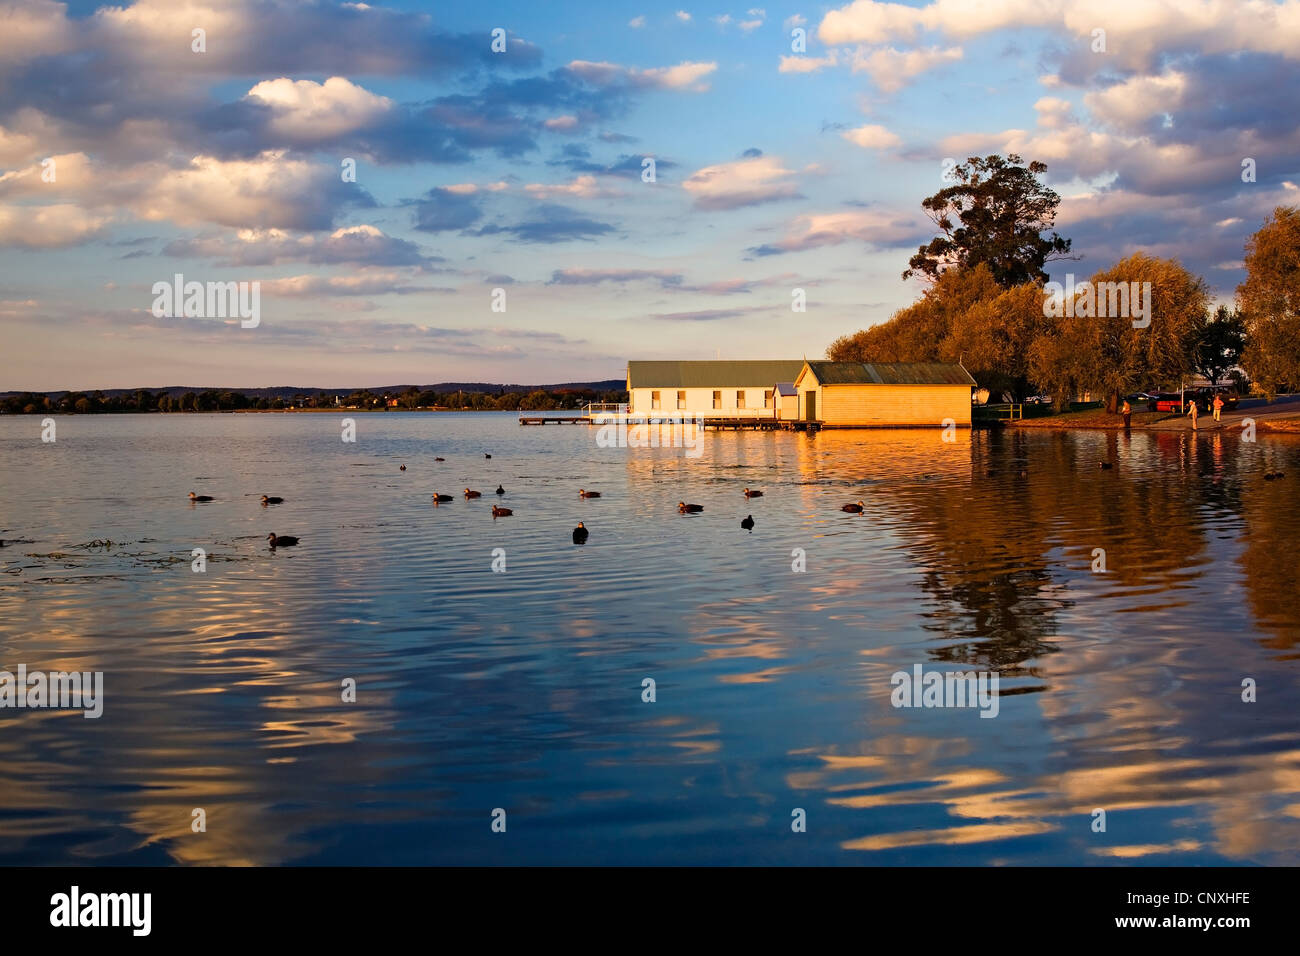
726 374
786 388
890 373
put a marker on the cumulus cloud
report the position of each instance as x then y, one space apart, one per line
1138 32
872 137
303 110
352 245
744 182
892 69
48 226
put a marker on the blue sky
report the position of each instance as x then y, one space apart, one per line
520 171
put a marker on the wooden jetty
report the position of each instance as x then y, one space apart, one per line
556 420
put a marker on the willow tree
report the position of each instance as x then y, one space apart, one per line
994 336
920 332
1270 300
996 213
1097 346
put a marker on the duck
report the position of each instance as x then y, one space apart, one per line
487 456
267 500
583 493
748 523
854 509
194 497
437 497
473 494
500 490
684 508
403 468
580 534
753 494
1105 465
440 459
499 512
281 540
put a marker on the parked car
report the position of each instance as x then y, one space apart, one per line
1205 397
1202 396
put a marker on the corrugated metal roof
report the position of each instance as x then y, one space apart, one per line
710 374
890 373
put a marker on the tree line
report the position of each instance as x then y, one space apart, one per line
212 400
987 304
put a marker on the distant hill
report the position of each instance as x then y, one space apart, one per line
289 391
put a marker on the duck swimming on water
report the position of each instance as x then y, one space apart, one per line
854 509
271 501
281 540
473 494
437 497
500 490
753 494
440 459
580 534
684 508
498 512
194 497
583 493
403 468
748 523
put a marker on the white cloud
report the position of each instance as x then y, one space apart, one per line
807 64
636 23
872 137
683 76
683 16
584 187
891 69
745 182
1137 31
33 28
562 124
1132 103
49 226
306 110
878 228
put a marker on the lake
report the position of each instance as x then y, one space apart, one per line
521 690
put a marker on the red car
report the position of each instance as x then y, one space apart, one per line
1203 397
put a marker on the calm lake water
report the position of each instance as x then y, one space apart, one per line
522 690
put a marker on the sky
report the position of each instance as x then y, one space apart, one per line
500 226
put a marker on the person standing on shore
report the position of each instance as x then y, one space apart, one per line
1193 412
1127 411
1218 406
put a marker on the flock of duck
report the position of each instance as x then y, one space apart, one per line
276 540
581 532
